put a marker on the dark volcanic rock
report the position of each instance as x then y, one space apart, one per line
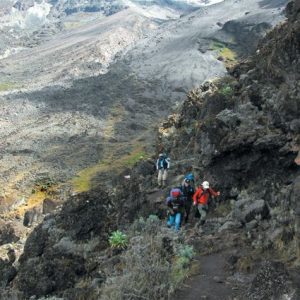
31 216
49 205
56 252
7 274
64 249
53 272
271 282
241 132
246 211
7 234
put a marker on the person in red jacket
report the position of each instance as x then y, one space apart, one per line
201 198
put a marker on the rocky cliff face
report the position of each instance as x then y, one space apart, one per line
241 133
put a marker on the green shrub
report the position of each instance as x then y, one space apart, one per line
182 263
118 240
44 184
226 91
186 251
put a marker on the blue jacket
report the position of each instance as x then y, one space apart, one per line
163 163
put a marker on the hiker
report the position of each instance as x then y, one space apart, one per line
191 178
201 198
175 203
162 165
188 191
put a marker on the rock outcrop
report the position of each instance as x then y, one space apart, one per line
241 133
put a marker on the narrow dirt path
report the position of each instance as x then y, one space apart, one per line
211 281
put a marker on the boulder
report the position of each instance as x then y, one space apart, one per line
49 206
31 216
230 225
246 210
7 274
7 234
258 208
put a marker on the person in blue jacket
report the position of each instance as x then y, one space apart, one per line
162 166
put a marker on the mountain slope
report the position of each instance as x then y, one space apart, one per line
241 133
97 113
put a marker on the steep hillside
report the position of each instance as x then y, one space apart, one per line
241 133
130 72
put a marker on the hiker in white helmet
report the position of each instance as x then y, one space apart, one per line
201 198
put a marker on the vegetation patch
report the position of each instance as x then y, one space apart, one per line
6 86
225 54
118 240
83 181
154 264
226 91
182 264
43 185
225 86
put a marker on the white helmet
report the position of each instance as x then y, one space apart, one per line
205 185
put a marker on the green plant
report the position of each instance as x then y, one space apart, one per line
153 219
186 251
151 225
118 240
226 90
43 184
182 263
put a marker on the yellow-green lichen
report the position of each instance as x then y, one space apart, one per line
83 181
6 86
227 55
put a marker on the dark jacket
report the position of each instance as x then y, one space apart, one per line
188 192
176 204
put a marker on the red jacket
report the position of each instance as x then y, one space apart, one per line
201 196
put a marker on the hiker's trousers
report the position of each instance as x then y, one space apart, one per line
174 221
202 208
162 176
